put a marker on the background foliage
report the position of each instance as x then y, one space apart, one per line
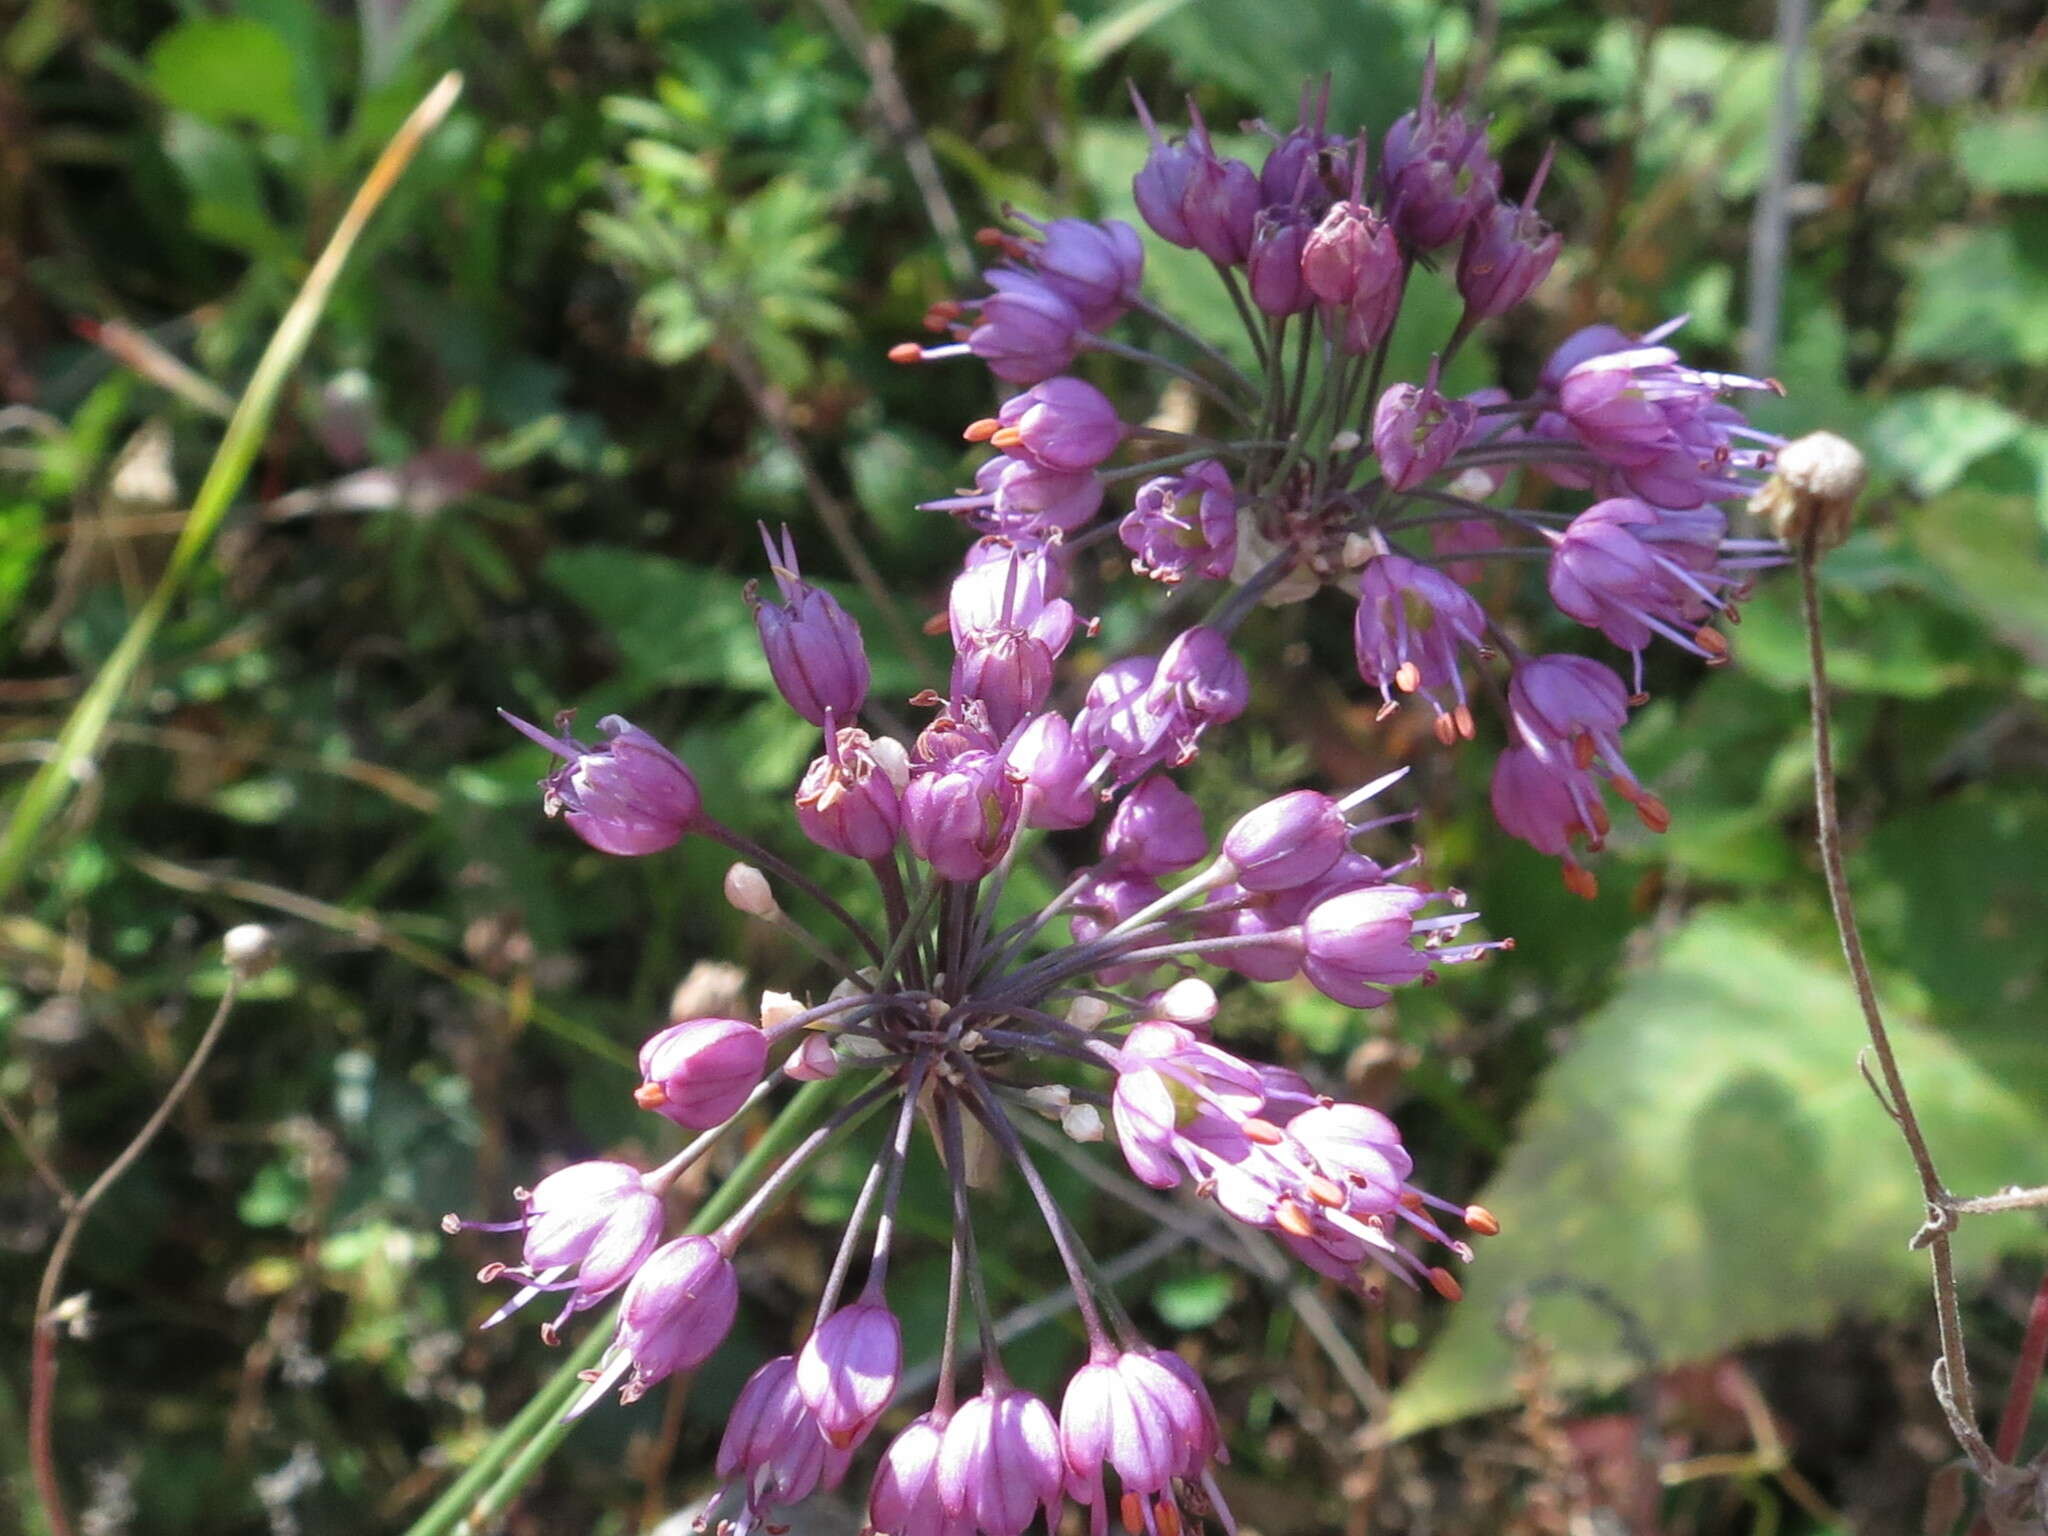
634 297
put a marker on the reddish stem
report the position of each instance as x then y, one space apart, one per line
2019 1400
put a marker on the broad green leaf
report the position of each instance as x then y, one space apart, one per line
2006 154
1956 898
1929 439
228 69
1990 549
1980 295
1706 1167
673 623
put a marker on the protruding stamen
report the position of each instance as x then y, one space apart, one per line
1264 1132
650 1095
1446 1284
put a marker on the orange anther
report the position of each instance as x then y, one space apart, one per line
1463 715
1654 813
1482 1221
650 1095
1583 749
1580 882
1168 1517
1446 730
1006 439
1411 1200
1324 1192
1407 677
1446 1284
1133 1513
906 352
981 431
1292 1219
1264 1132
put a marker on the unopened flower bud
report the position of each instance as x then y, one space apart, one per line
1087 1012
814 1059
1082 1122
1050 1099
747 889
1190 1000
699 1072
629 797
250 949
1812 490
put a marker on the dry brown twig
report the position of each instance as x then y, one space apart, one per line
1808 503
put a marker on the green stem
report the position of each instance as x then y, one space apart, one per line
79 740
517 1451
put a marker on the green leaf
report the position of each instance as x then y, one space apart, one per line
1990 549
1929 439
228 69
1980 296
2006 154
1705 1169
1956 898
672 623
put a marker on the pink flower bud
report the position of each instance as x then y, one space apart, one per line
677 1311
1065 425
1156 830
630 796
1000 1463
813 645
1287 842
847 1371
1415 430
960 818
1054 769
699 1072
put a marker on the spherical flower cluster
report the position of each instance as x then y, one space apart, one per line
973 1025
1317 471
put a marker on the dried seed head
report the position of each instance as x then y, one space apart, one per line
1812 491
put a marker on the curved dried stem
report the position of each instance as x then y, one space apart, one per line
1952 1372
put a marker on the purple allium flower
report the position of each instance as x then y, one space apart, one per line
847 1371
676 1312
1022 499
1127 1413
1412 622
1103 903
904 1499
1287 842
1415 430
1301 164
1464 536
1273 265
631 796
699 1072
1244 917
850 800
1507 253
1219 201
1162 182
1353 265
773 1452
1157 829
1008 670
1028 331
1094 266
1607 572
959 817
1184 523
1118 716
598 1218
1199 683
1064 425
1360 944
1549 806
1001 1463
1059 792
813 645
1435 171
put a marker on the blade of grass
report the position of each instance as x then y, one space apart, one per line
517 1451
79 741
